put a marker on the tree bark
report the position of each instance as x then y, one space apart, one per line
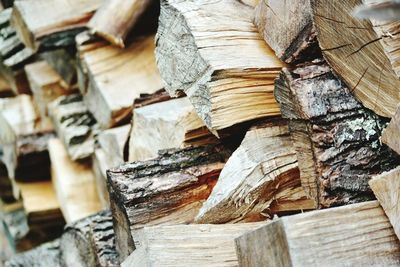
166 190
336 139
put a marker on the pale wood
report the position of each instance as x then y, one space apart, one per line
118 76
74 184
212 51
74 124
115 19
165 125
166 190
46 84
188 245
56 17
390 135
335 137
252 3
100 166
262 174
353 235
63 61
386 187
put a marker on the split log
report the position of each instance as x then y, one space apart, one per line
353 235
115 19
41 205
349 45
336 139
212 51
90 242
57 25
109 154
261 175
188 245
46 85
24 139
390 135
43 256
386 188
118 76
167 190
169 124
74 125
74 184
148 99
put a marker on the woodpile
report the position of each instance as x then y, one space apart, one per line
199 133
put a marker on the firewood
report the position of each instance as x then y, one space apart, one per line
386 187
168 189
118 76
24 139
390 135
46 85
5 88
115 19
6 190
353 235
261 175
43 256
148 99
252 3
109 154
164 125
212 51
74 184
188 245
90 242
74 124
57 25
350 46
336 138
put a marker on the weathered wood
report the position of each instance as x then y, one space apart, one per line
262 173
90 242
46 85
43 256
23 137
74 124
354 235
148 99
58 23
336 139
164 125
188 245
212 51
116 77
167 190
386 188
74 184
115 19
390 135
351 46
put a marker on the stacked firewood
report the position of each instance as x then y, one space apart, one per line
198 133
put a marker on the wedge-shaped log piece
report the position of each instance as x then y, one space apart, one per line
90 242
354 235
169 124
390 135
350 45
118 76
169 189
23 137
46 84
58 23
74 184
212 51
386 188
336 138
74 124
188 245
43 256
115 19
261 175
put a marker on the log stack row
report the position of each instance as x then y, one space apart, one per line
197 133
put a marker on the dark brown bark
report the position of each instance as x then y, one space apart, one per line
336 138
